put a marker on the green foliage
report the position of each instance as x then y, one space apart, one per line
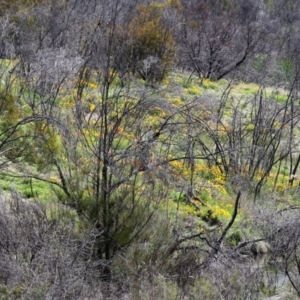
287 67
209 84
246 88
38 291
121 214
13 136
194 90
27 187
150 254
267 291
10 110
278 95
11 294
203 286
234 238
43 147
259 62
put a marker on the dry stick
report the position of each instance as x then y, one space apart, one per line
288 208
290 277
217 247
178 242
292 176
245 243
235 212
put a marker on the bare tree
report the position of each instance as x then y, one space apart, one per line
250 143
217 38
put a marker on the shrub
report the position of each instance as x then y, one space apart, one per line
152 48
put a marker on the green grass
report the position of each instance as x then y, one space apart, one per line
246 89
209 84
194 90
28 188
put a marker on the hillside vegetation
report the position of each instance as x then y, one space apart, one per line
147 148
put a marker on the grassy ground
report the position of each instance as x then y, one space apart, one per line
178 89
